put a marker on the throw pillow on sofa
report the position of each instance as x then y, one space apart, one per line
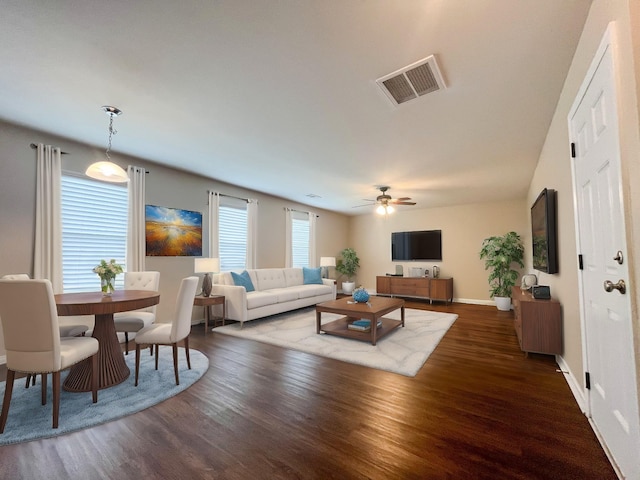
243 280
311 276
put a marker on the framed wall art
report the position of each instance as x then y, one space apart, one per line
171 232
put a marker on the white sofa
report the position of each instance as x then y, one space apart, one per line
277 290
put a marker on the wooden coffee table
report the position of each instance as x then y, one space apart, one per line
373 311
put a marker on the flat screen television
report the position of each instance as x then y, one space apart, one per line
418 245
543 232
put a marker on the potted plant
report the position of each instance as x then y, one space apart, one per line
499 253
347 266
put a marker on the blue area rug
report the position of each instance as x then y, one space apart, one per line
29 420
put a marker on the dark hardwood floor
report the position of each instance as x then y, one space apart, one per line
478 409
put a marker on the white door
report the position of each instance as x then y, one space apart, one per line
608 341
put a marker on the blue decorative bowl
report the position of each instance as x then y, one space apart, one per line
360 295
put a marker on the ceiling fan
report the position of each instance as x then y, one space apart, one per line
385 202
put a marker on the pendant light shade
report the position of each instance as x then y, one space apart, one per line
106 170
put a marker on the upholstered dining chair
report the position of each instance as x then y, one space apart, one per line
171 333
133 321
70 330
33 344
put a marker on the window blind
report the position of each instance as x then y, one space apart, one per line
300 240
94 227
232 247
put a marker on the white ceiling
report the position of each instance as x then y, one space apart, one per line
279 96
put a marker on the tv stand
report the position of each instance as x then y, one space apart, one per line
422 287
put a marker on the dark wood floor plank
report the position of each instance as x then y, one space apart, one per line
478 409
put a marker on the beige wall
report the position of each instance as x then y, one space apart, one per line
463 228
164 186
554 167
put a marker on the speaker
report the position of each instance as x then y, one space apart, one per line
399 270
541 291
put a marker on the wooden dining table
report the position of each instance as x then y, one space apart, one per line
112 366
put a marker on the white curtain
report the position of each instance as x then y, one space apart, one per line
214 205
47 261
288 255
136 253
252 232
312 240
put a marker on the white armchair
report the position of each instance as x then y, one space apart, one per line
130 322
28 306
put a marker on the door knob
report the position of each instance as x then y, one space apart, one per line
609 286
619 258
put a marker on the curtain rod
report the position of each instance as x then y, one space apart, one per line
300 211
34 146
230 196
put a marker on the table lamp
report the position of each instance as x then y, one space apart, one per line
325 263
206 265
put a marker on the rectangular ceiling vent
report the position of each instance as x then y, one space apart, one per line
413 81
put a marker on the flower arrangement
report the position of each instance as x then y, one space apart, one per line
107 272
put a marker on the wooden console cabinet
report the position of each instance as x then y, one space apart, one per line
424 287
538 323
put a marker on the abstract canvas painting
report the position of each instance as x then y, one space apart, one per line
171 232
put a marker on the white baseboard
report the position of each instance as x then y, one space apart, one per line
575 385
473 301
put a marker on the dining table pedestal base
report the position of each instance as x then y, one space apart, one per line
112 367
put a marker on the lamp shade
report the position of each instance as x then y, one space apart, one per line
206 265
327 261
107 172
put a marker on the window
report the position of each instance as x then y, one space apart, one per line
232 236
300 239
94 227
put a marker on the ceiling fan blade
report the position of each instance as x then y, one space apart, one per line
404 203
363 205
402 199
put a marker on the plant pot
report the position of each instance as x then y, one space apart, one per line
347 287
503 303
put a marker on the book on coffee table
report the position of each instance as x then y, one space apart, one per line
363 325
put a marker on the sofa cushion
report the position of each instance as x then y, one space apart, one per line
243 280
311 276
306 291
269 278
285 294
293 276
260 299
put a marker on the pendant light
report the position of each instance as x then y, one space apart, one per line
107 170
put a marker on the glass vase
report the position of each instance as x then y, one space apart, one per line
107 285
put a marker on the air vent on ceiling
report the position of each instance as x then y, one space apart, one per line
413 81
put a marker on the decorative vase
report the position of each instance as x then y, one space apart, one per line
360 295
107 286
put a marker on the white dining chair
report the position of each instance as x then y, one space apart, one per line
171 333
133 321
70 330
33 344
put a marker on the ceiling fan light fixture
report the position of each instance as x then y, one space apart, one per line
385 209
106 170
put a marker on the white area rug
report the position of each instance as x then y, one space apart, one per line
404 351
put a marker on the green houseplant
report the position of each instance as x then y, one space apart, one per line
499 253
347 266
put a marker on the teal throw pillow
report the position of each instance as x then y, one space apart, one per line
243 280
311 276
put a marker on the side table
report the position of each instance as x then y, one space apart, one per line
207 302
